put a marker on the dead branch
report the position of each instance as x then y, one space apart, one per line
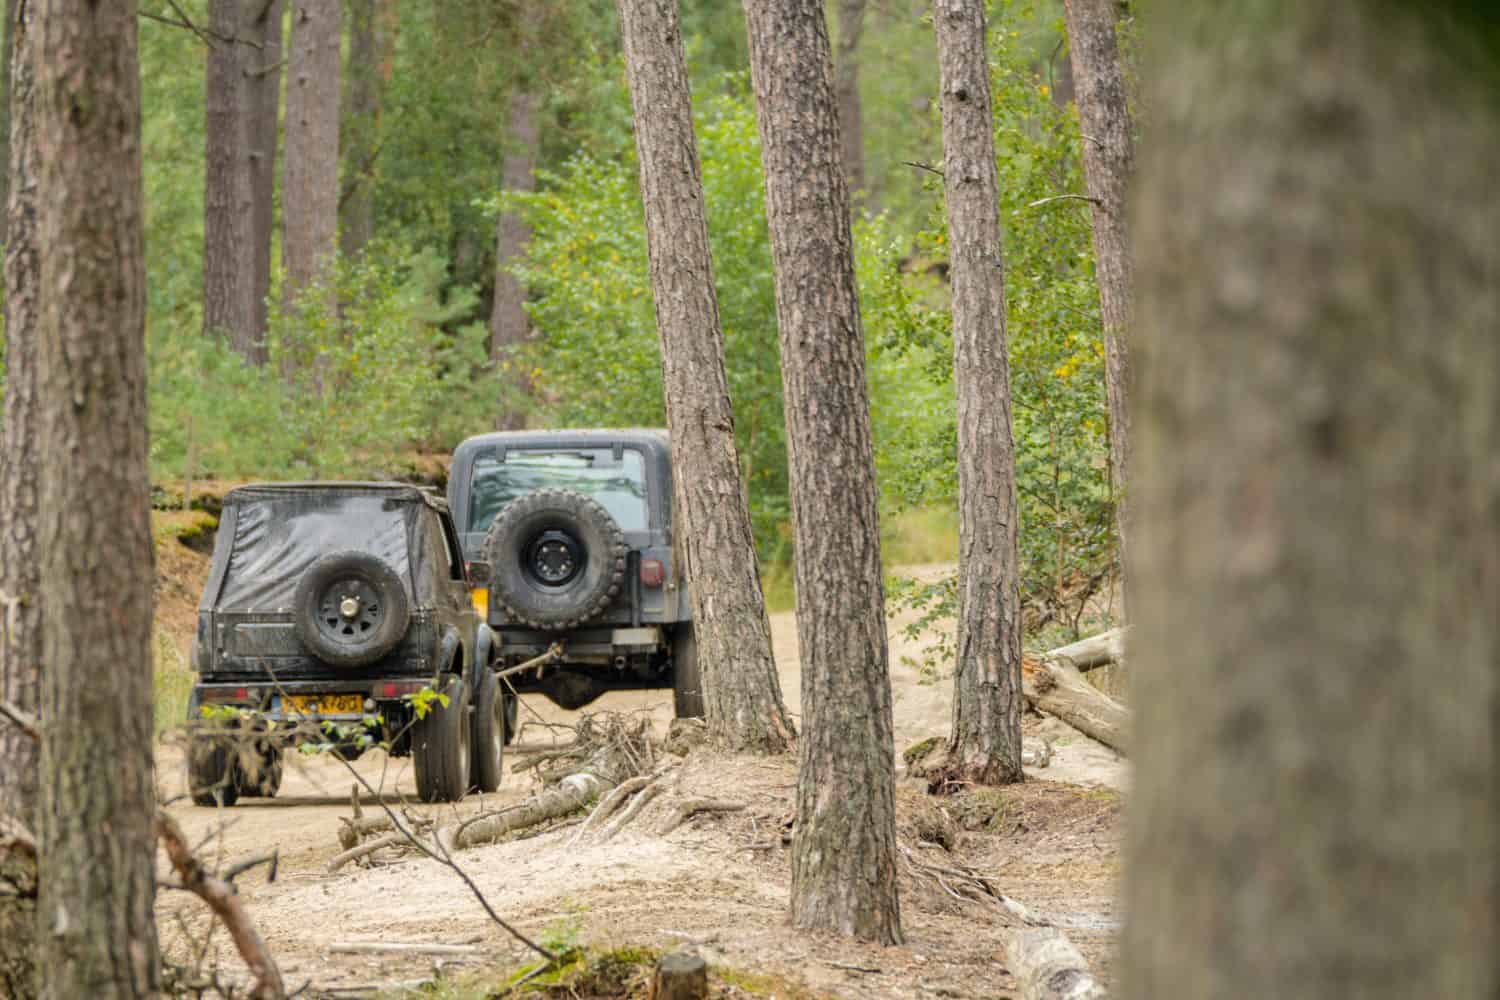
1048 967
400 948
553 653
21 719
364 850
1096 651
568 795
1055 686
609 803
1063 197
221 898
634 809
273 859
692 807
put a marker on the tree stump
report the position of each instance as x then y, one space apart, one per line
681 975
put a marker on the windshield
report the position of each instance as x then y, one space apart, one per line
620 485
275 541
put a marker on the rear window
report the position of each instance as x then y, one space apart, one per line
618 484
275 541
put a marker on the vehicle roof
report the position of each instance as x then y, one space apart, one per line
390 490
652 439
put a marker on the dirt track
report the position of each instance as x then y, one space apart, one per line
719 882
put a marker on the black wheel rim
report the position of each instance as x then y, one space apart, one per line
554 558
350 612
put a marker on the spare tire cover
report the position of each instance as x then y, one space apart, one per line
351 608
557 559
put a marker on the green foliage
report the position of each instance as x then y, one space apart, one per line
422 701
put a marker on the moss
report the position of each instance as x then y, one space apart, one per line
919 750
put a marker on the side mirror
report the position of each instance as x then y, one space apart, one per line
479 572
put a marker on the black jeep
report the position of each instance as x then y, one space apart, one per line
337 603
575 528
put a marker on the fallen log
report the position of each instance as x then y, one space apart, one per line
1048 967
1096 651
399 948
568 795
1053 685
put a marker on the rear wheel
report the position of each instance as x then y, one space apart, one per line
489 733
687 681
213 778
440 745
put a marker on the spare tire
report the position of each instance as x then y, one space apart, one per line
557 559
351 608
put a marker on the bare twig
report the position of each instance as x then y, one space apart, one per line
553 653
22 720
364 850
273 859
1063 197
923 166
220 897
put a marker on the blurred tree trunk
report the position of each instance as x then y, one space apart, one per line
263 96
20 558
742 692
1315 572
851 24
228 205
97 935
985 745
509 324
310 182
1108 161
844 849
7 44
361 130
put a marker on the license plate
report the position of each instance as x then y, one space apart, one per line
324 704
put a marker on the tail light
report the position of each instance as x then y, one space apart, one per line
653 573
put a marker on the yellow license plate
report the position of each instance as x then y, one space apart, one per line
481 598
324 704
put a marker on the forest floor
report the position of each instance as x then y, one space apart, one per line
720 882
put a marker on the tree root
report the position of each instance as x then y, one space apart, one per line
692 807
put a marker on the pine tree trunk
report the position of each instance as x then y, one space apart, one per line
844 849
985 746
310 182
361 129
1313 812
1108 162
7 46
851 24
228 225
509 324
97 934
263 94
743 695
20 512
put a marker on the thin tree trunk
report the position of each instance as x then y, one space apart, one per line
228 206
1108 162
844 849
985 745
509 324
6 47
97 935
263 94
1318 510
310 185
20 513
361 129
742 693
851 24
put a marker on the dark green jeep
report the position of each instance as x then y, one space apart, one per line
337 603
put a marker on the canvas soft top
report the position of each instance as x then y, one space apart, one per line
389 490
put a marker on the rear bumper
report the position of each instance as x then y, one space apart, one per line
265 698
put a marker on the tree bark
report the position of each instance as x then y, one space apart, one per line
1108 162
509 325
741 690
851 24
1056 687
985 745
361 129
96 931
1318 510
20 513
263 94
6 48
228 205
310 184
1047 966
844 849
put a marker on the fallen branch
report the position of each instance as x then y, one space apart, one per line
221 898
692 807
1055 686
1096 651
400 948
609 803
631 811
1048 967
365 850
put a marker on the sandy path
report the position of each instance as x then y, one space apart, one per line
634 889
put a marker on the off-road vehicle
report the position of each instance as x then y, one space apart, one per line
330 609
575 529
